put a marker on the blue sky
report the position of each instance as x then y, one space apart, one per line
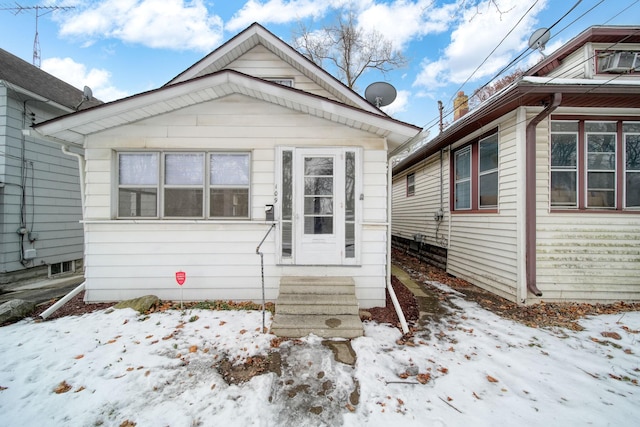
123 47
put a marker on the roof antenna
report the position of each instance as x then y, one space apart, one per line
380 94
539 39
18 8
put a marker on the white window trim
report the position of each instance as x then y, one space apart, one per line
161 186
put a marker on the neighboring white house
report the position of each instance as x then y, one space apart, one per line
535 194
40 209
183 179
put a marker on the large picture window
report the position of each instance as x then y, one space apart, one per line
475 175
175 185
595 164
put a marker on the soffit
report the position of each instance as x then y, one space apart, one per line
73 128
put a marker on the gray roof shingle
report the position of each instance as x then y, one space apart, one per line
27 76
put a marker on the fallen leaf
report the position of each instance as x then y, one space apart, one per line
80 356
193 349
63 387
243 331
111 341
149 336
476 396
129 369
222 322
491 379
350 407
79 389
614 335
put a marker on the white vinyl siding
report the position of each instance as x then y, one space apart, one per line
583 256
411 216
261 62
483 248
219 257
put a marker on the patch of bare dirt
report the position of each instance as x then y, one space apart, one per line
563 315
407 301
74 307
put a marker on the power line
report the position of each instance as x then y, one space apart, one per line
431 123
18 8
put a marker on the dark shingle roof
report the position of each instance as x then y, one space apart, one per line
20 73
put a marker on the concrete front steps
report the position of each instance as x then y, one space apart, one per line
324 306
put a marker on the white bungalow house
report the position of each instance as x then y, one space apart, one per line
190 178
535 194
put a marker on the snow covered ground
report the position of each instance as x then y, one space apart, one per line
471 368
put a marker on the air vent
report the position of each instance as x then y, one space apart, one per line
620 62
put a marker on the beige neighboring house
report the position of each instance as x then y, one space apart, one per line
190 178
535 194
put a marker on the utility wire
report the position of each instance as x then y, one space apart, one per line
494 49
432 123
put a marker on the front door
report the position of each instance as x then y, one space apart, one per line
320 208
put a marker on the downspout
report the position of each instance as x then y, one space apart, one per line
530 188
81 166
392 294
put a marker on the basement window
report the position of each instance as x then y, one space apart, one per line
60 268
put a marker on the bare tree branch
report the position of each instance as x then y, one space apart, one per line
348 49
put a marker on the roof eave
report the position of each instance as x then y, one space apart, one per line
508 100
83 123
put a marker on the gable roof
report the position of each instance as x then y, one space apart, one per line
256 35
74 127
32 79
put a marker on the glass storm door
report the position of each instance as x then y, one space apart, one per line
319 219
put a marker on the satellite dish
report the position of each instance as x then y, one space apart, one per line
380 94
87 93
539 39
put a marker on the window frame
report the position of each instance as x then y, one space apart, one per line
411 184
473 148
161 185
620 172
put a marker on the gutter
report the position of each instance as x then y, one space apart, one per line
35 96
530 199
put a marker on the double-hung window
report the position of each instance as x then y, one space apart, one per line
183 185
411 184
595 164
564 163
631 135
475 175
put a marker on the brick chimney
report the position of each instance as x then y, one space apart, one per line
460 105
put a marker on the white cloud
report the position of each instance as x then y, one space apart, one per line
402 21
77 75
399 105
280 11
166 24
468 49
